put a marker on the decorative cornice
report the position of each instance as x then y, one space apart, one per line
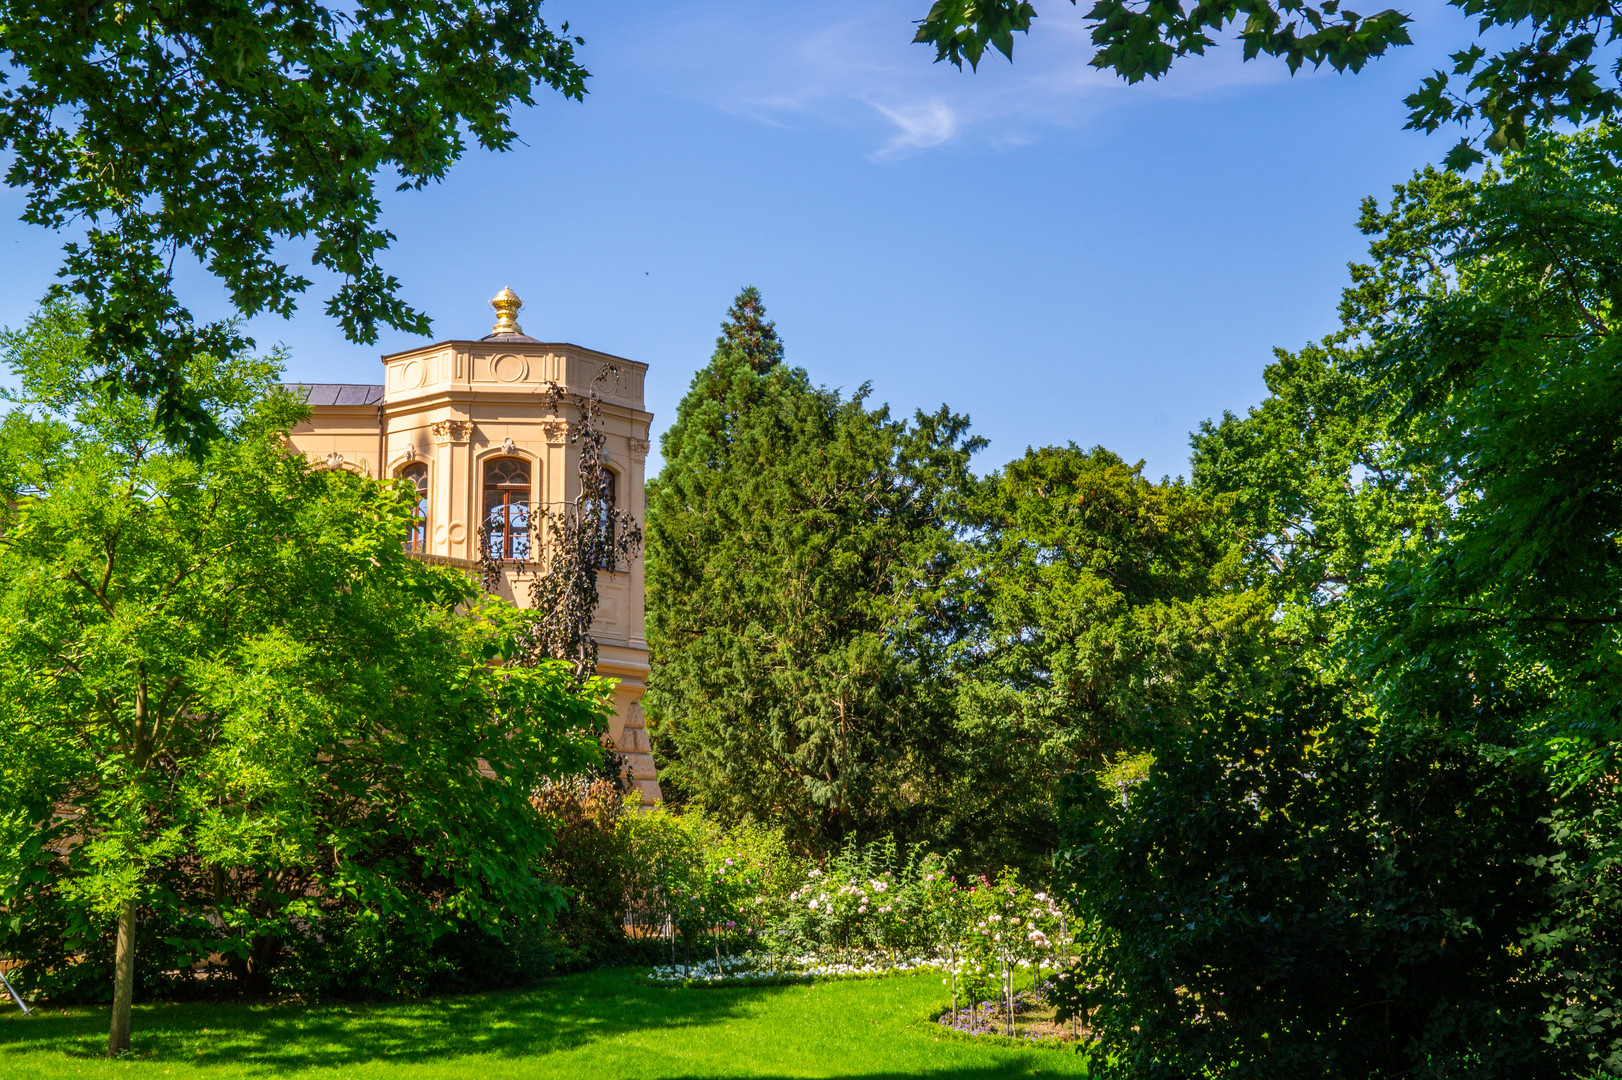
451 431
640 448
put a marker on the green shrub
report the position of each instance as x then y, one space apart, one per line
1291 892
345 958
68 960
588 861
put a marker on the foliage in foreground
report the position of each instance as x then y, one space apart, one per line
231 707
1401 860
1536 65
226 131
1506 371
1293 892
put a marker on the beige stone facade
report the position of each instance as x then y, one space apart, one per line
468 422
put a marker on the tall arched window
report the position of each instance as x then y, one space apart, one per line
417 539
506 508
606 555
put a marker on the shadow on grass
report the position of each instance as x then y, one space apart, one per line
553 1017
559 1016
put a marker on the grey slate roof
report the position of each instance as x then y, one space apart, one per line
336 393
521 338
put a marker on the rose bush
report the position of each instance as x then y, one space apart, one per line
750 911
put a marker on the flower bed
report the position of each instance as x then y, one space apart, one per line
737 911
760 969
1026 1015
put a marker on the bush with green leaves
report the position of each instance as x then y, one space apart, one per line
340 957
1294 891
231 706
748 909
589 866
866 899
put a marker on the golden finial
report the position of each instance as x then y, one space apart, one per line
506 303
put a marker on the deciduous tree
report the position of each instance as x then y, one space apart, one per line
228 132
231 700
1435 492
1535 66
1106 605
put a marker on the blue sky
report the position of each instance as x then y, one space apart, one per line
1059 255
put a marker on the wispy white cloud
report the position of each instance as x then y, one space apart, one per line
919 125
853 65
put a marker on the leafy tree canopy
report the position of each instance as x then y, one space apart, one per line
230 702
1323 488
1433 492
226 131
1491 312
1563 65
1106 604
1294 891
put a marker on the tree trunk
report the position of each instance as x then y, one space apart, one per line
252 973
118 1036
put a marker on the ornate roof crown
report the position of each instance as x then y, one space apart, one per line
506 303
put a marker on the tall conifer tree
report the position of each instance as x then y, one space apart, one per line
799 545
748 331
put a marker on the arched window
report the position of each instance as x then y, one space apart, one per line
506 508
606 555
417 539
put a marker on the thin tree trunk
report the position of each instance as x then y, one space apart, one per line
1008 979
118 1036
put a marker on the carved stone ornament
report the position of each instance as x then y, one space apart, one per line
508 446
640 448
556 431
335 460
409 453
451 431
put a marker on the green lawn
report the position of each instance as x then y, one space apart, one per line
600 1026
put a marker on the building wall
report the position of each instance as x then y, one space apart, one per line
456 405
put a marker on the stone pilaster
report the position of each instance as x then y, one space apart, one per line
633 745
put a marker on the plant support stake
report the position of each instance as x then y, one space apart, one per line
18 998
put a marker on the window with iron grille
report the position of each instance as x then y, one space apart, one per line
506 508
606 517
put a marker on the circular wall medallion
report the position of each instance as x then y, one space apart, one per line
411 375
457 532
509 368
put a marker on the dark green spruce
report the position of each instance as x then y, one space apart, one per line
800 551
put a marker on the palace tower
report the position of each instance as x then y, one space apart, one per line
470 424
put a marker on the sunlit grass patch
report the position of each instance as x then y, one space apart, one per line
602 1025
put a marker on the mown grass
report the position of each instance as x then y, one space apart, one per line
605 1025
